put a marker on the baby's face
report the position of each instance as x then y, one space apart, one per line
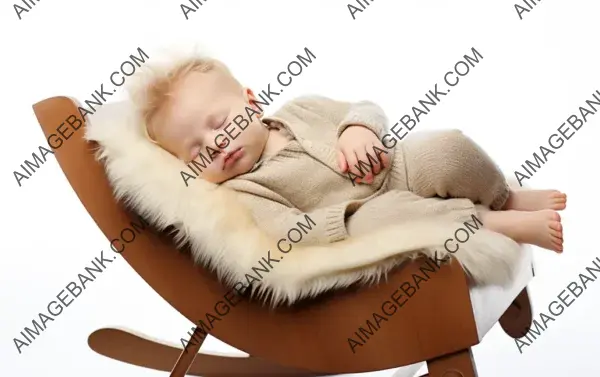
201 114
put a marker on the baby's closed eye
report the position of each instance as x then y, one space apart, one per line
220 124
194 152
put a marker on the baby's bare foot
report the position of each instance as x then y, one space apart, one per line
541 228
535 200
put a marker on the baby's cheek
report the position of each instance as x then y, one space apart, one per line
246 163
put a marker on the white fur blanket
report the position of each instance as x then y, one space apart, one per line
224 237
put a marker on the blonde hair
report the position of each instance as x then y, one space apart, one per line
154 87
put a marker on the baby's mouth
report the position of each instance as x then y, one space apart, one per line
231 157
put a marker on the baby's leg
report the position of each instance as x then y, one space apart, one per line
449 164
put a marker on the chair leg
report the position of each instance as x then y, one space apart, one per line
138 350
459 364
517 319
187 355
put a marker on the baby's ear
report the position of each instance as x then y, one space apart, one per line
251 98
249 95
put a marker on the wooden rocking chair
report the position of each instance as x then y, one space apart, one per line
439 325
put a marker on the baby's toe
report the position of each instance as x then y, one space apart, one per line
558 204
557 245
556 233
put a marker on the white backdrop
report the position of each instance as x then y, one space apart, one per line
535 72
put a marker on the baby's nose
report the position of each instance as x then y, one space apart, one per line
227 150
221 145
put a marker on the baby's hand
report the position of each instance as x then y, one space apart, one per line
353 145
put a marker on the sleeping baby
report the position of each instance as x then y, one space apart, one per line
333 161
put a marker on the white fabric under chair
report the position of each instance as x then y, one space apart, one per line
489 303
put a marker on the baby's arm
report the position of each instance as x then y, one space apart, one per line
322 225
340 221
344 114
359 128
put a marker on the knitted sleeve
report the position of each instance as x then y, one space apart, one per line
364 113
344 114
322 225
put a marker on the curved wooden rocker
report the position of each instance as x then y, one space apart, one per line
439 324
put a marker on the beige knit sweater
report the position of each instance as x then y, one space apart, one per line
303 178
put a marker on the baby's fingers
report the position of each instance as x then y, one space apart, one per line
381 154
342 163
352 160
373 160
365 167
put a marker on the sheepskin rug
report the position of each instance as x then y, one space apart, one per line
223 236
